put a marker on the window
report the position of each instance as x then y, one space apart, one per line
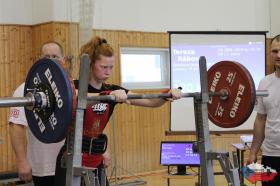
145 68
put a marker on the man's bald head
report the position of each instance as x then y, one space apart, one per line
52 50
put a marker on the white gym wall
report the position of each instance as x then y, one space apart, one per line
152 15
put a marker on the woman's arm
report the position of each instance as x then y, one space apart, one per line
259 127
175 93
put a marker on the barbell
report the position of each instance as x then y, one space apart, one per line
50 99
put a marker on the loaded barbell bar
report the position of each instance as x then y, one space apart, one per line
32 102
17 101
222 94
50 98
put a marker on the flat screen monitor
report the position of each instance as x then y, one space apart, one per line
180 154
246 48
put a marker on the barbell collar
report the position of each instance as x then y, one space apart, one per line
41 100
30 101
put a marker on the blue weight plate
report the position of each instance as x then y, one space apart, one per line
50 125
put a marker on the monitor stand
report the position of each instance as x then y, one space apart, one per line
182 170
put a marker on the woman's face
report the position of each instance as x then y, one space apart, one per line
102 69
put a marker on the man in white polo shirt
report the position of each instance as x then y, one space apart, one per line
35 160
267 122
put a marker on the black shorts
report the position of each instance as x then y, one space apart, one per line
43 181
273 162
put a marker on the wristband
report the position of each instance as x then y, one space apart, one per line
105 92
165 92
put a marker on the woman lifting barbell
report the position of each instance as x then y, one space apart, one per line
97 115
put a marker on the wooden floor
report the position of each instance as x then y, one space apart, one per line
160 178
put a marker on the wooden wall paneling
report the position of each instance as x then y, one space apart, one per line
36 41
41 33
14 64
2 55
141 127
74 48
5 80
6 46
27 48
130 126
126 139
13 35
143 117
10 56
115 38
2 39
47 32
11 75
22 56
63 32
110 146
10 64
22 64
2 127
3 140
109 131
137 134
149 132
153 129
4 123
120 136
150 142
2 90
67 35
138 131
145 135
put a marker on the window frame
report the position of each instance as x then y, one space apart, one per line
164 65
